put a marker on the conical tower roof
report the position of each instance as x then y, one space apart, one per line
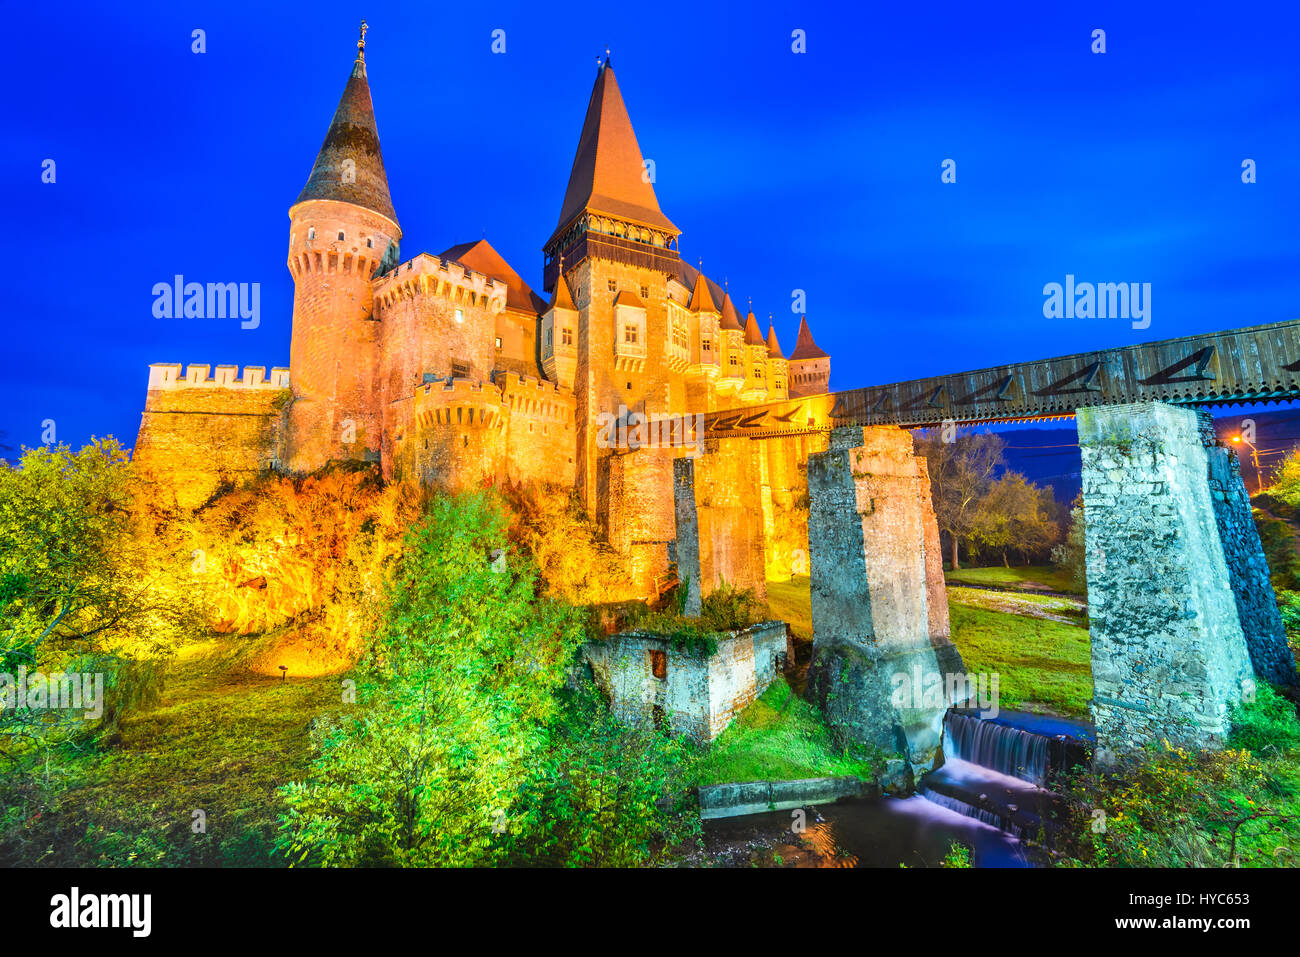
804 347
753 336
730 320
701 298
562 298
773 347
349 167
607 174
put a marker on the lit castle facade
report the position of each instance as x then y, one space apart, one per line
448 369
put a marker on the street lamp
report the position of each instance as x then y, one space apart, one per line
1254 459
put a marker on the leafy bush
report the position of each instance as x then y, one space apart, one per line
603 794
1266 724
726 608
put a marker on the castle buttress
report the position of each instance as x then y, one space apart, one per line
449 370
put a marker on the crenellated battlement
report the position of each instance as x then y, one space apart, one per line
169 376
457 402
427 275
529 395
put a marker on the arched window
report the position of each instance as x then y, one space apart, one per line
311 232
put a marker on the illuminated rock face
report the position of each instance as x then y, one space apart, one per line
1169 655
875 575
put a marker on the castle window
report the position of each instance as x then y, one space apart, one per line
340 235
498 342
311 232
645 292
566 336
613 286
460 315
735 360
460 370
370 243
659 664
629 334
548 337
706 345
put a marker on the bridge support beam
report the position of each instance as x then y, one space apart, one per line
881 661
717 505
1169 655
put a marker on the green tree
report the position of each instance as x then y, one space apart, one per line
455 694
961 472
1015 515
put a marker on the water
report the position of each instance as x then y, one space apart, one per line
999 747
860 832
989 795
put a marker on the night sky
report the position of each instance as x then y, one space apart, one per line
816 171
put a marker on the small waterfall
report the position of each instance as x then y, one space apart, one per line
1002 822
1007 750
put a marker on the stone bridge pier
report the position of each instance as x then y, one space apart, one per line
883 663
720 529
1183 619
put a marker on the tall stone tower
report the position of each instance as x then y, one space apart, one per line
343 229
618 250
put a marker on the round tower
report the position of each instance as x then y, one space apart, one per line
343 230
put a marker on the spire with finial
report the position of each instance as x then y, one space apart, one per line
349 167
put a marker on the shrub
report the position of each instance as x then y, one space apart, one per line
1266 724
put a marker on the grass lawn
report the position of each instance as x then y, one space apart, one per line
222 741
1042 577
778 737
791 602
1071 611
1040 664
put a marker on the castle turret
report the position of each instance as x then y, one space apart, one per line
755 387
810 367
343 231
619 252
560 335
778 367
731 348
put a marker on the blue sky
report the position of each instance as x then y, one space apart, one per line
817 171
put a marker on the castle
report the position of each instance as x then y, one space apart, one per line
449 370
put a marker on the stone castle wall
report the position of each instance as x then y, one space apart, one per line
201 431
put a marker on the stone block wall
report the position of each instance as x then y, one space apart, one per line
635 513
201 431
719 520
784 477
698 695
1248 571
872 574
1169 657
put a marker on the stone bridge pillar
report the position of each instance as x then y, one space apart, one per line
717 503
881 658
1169 654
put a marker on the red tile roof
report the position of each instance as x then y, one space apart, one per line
607 173
481 257
804 347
